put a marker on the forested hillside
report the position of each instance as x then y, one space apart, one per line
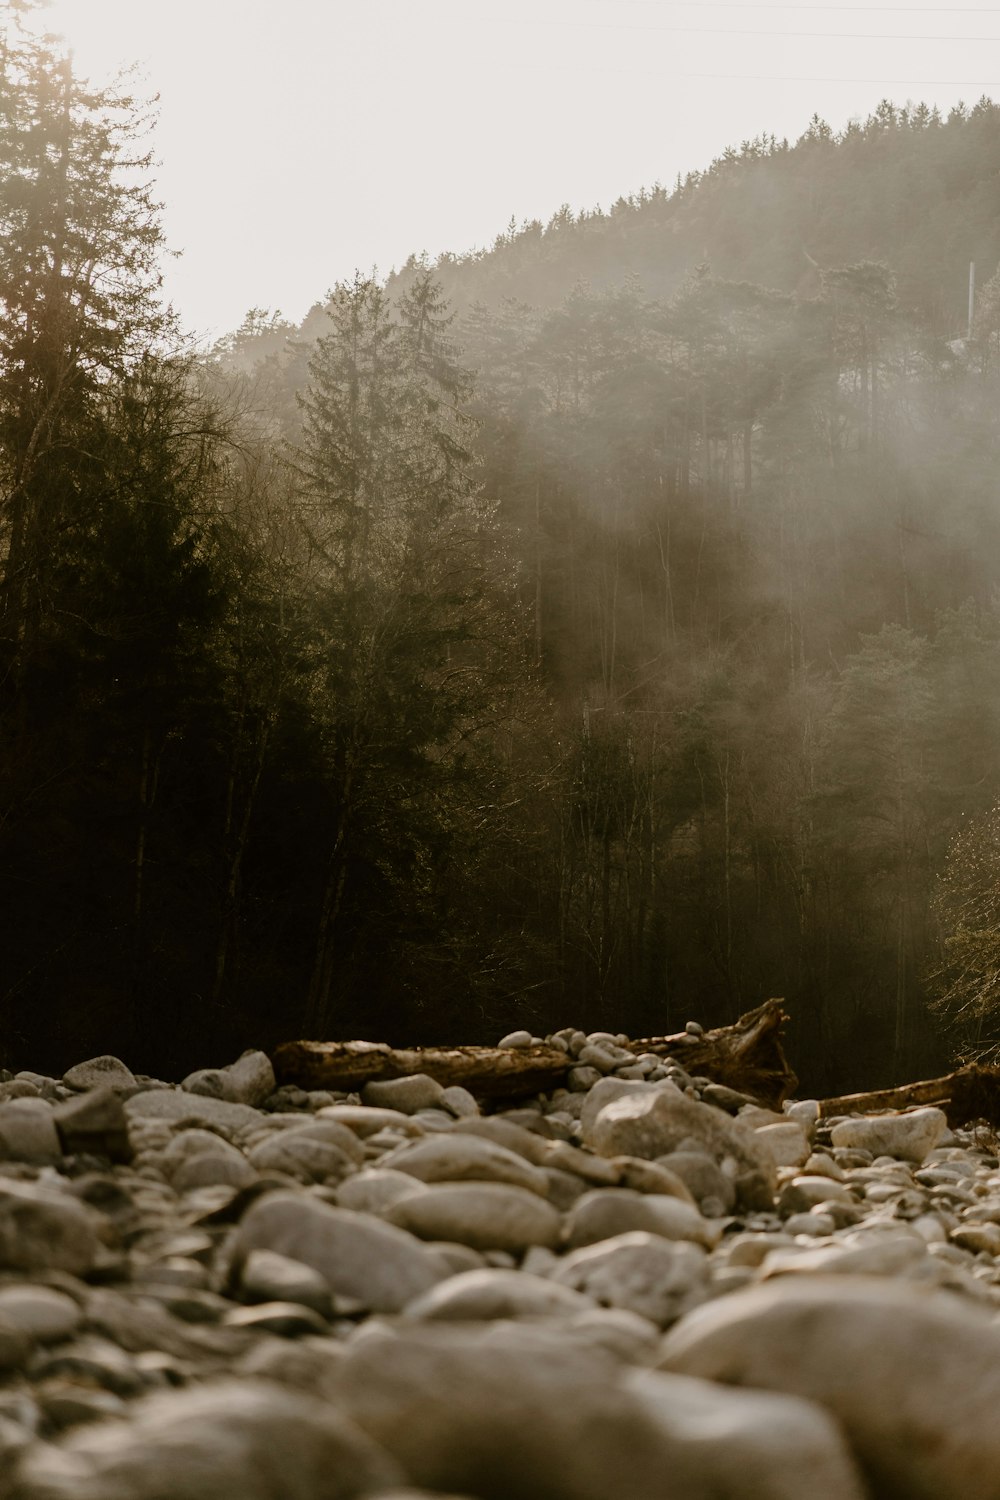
618 643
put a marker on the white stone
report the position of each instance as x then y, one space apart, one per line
408 1095
788 1143
485 1215
377 1189
483 1295
458 1158
515 1039
643 1273
250 1438
98 1072
651 1121
908 1137
913 1378
42 1229
770 1447
604 1213
360 1257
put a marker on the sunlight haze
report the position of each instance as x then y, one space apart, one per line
300 141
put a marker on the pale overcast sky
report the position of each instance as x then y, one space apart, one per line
300 139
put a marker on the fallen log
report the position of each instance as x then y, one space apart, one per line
489 1072
969 1094
746 1057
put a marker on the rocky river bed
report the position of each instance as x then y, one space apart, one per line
640 1286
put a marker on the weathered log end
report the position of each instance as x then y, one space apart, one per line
747 1056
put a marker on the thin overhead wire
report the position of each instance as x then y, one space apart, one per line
841 36
902 10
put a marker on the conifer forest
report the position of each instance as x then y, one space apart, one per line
604 626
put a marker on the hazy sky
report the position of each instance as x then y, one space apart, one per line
300 139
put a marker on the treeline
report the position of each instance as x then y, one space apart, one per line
618 661
259 702
907 186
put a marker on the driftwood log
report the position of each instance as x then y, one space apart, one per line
746 1057
969 1094
490 1072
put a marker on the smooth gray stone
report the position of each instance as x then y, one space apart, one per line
101 1072
213 1168
459 1102
249 1080
94 1123
534 1148
702 1176
486 1294
28 1132
251 1439
451 1157
360 1257
770 1447
912 1376
408 1095
375 1190
302 1156
42 1229
269 1277
366 1119
643 1273
485 1215
654 1121
42 1312
604 1213
176 1105
513 1410
909 1137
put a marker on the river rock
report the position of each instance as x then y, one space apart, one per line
192 1109
485 1215
751 1443
251 1439
657 1120
703 1178
498 1416
42 1229
643 1273
483 1295
43 1313
912 1376
366 1119
101 1072
408 1095
360 1257
377 1189
267 1276
94 1123
605 1212
298 1153
787 1142
456 1158
910 1137
28 1132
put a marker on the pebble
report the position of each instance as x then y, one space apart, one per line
474 1303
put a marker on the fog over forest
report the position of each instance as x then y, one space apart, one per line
602 628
